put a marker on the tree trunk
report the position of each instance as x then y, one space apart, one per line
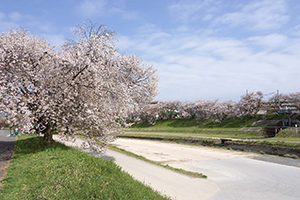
48 132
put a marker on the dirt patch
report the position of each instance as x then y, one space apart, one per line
265 123
3 172
6 153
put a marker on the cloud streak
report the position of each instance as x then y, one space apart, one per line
187 11
257 15
194 66
103 8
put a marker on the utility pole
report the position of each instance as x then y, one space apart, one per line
278 99
279 108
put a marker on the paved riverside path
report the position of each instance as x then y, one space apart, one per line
7 145
167 182
238 175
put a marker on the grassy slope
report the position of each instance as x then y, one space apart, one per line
231 123
228 127
54 171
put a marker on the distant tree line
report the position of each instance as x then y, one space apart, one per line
249 104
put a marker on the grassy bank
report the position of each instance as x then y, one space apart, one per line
228 128
54 171
232 123
234 127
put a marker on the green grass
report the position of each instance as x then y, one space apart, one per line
289 133
232 122
53 171
193 174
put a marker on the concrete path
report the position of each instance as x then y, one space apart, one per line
167 182
238 175
7 145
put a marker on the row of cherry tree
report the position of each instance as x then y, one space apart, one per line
87 88
249 104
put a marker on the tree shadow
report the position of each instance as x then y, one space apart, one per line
33 144
6 150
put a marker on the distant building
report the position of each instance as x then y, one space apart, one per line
289 110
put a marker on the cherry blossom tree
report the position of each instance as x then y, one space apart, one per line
251 103
200 109
88 88
276 102
28 67
168 109
2 121
224 110
295 98
188 109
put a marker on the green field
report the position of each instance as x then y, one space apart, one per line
53 171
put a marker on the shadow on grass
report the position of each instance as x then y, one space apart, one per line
6 150
28 144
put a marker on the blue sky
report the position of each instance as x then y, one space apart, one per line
203 49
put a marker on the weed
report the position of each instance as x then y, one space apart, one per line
291 156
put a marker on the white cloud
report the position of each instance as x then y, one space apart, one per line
258 15
269 41
91 8
193 66
5 25
295 30
54 39
193 10
148 28
2 15
15 16
207 17
104 8
16 20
